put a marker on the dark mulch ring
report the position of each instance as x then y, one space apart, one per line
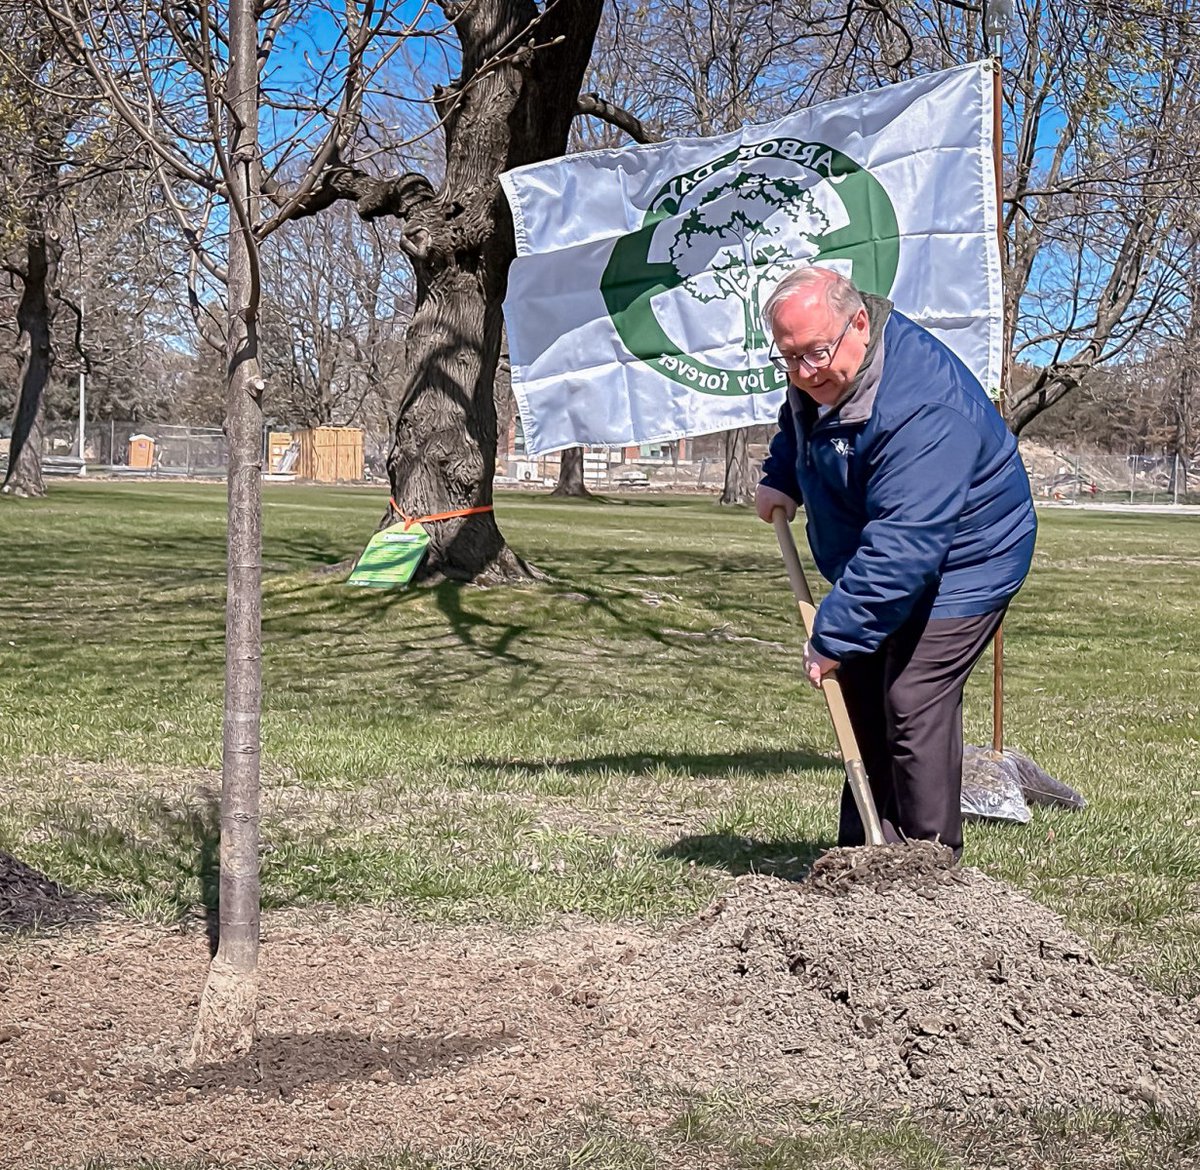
29 899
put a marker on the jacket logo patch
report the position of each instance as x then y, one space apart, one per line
841 446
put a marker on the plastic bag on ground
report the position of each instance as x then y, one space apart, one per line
991 788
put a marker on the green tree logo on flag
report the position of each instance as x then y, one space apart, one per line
716 239
739 226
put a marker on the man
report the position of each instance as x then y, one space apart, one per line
918 512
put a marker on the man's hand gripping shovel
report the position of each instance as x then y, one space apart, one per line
856 774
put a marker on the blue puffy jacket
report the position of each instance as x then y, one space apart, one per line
912 487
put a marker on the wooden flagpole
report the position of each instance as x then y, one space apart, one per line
998 163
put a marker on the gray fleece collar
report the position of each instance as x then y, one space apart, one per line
859 401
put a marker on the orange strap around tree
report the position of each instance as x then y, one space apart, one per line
409 521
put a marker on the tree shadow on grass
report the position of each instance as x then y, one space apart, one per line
191 836
616 500
180 612
506 636
706 764
204 824
788 860
153 846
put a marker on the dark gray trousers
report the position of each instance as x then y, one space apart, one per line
905 704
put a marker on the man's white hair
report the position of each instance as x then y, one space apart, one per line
840 294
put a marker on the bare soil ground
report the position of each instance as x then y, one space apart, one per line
884 979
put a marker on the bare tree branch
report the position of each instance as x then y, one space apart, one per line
592 105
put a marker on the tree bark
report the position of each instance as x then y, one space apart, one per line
739 483
570 475
35 321
513 104
225 1024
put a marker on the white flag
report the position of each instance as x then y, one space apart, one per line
634 304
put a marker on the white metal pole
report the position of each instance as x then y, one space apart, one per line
82 393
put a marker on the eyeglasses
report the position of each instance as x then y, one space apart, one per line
815 359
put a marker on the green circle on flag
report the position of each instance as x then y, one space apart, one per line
720 232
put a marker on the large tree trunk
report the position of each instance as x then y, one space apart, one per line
570 475
225 1024
443 455
35 320
739 483
522 69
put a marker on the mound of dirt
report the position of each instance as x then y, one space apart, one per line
920 866
920 985
30 899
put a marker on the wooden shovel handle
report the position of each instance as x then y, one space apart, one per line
835 701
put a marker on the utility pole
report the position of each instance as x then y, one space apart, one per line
82 392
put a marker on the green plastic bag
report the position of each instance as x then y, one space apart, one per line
391 557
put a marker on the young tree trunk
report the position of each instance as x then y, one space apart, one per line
739 482
522 69
570 475
225 1025
35 320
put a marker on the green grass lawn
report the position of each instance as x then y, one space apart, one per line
617 742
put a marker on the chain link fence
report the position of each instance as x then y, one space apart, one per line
136 449
610 469
1057 474
1061 475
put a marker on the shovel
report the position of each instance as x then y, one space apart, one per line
856 774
